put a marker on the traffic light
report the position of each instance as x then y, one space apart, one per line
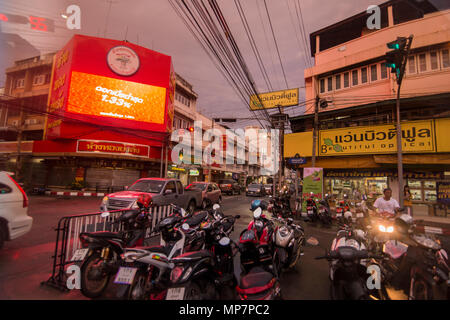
394 58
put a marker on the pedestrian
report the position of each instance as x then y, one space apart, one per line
387 203
407 203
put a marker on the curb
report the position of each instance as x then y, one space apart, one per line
430 229
75 194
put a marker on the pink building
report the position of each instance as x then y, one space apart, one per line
356 103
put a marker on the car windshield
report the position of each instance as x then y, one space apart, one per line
197 186
151 186
254 186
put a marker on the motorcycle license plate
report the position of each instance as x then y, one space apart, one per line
125 275
175 294
339 214
80 254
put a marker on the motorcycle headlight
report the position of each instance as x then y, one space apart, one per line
382 228
390 229
284 232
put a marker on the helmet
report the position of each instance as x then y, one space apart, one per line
258 204
348 215
403 223
144 201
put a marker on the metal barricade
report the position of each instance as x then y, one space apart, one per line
68 241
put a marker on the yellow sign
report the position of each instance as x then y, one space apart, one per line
283 98
417 136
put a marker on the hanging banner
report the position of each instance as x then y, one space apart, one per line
417 136
312 182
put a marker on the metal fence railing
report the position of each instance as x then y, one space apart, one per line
68 241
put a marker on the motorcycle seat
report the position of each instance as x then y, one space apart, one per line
197 218
158 249
103 234
194 256
257 277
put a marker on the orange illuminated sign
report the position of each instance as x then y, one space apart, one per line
119 99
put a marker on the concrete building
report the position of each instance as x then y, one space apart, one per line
356 104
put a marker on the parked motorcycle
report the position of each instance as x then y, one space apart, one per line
208 273
348 266
289 239
101 253
311 209
415 263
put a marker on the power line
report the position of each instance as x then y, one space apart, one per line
276 45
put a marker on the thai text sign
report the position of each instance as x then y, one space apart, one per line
283 98
91 146
417 136
443 191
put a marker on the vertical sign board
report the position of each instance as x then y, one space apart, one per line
443 193
312 182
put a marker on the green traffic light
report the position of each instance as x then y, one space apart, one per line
395 46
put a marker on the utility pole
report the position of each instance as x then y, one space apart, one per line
396 60
18 172
316 125
209 162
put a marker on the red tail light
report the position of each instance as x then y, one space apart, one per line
24 195
229 185
176 273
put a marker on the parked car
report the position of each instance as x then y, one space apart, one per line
229 186
255 189
162 191
211 193
14 218
268 188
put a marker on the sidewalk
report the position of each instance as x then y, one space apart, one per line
74 193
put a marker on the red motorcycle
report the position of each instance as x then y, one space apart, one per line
259 279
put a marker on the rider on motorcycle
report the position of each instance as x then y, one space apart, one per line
387 204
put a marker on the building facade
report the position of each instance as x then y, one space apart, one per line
356 104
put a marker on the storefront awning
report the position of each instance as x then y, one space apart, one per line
420 159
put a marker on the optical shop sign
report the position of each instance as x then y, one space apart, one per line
417 136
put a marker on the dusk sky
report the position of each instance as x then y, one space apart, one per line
154 24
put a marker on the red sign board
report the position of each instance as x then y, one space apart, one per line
118 148
109 84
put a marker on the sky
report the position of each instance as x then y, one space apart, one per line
153 24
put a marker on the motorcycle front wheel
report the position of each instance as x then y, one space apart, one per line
193 291
94 279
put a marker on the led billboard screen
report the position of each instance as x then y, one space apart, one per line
95 95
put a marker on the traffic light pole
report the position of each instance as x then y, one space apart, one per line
398 126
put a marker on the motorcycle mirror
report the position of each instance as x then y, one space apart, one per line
216 206
237 216
224 241
185 226
257 213
105 214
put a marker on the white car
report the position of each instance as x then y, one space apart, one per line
14 220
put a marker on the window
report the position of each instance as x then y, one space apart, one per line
346 80
355 77
180 187
20 83
363 75
322 85
47 78
383 71
373 73
411 64
4 189
434 60
39 79
445 58
171 186
422 62
338 81
330 83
